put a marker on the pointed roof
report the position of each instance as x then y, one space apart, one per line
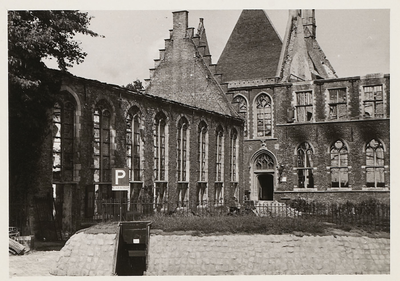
302 58
252 50
184 73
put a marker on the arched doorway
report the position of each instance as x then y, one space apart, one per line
263 177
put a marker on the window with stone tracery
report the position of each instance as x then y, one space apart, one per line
240 105
375 161
134 145
219 165
339 165
234 156
264 162
63 139
201 192
183 161
101 143
264 115
305 166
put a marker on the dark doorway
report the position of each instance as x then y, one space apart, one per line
266 186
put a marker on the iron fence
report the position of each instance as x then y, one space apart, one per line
372 214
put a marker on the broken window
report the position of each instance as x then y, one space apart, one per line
234 156
102 143
240 105
159 146
63 139
134 145
305 166
304 106
339 165
337 104
203 151
264 115
182 147
373 101
219 154
375 161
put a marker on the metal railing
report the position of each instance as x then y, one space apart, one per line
373 214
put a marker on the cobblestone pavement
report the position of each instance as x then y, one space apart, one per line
267 255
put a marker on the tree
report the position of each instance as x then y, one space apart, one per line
136 86
33 36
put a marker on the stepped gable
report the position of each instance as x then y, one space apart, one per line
302 59
184 72
253 49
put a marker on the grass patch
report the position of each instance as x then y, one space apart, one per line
237 224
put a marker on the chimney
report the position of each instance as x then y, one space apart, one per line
180 20
310 28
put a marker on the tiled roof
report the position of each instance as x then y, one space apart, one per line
252 50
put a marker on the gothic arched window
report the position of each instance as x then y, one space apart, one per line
101 143
134 145
63 140
201 191
219 165
159 146
375 161
264 115
339 164
305 166
234 156
183 161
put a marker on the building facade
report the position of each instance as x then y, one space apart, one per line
270 120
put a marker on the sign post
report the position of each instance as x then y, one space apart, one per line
120 181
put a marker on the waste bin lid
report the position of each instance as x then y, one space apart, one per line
135 224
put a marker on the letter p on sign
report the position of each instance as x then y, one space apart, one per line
120 179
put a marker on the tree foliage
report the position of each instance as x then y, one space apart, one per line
32 37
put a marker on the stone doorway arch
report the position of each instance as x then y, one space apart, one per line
263 176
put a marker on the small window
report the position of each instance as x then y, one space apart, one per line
304 106
337 104
373 102
339 165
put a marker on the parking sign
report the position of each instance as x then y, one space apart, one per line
120 179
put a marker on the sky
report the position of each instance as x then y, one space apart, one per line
355 41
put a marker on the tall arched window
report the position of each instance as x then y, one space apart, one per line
183 161
101 143
240 105
375 161
63 140
234 156
219 165
201 191
134 145
264 115
305 166
160 146
339 164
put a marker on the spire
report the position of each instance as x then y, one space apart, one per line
302 58
252 50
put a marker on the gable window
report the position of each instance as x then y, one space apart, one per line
203 164
219 165
304 106
373 101
339 165
133 145
375 161
183 161
101 143
337 104
264 115
240 105
305 166
63 141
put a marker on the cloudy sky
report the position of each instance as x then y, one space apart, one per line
355 41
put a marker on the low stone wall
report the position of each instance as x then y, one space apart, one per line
89 252
267 255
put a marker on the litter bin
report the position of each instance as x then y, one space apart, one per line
133 247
